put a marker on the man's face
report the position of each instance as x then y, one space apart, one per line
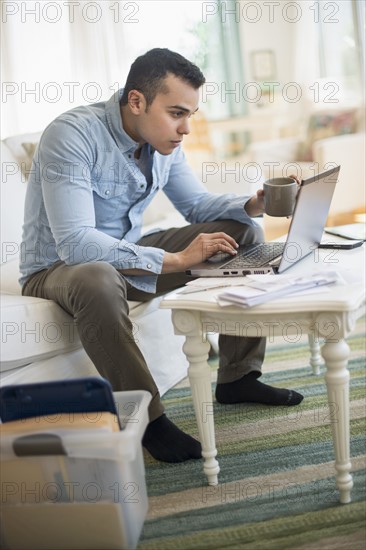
166 121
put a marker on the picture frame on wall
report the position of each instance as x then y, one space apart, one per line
263 65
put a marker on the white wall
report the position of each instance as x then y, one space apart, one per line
266 34
277 28
291 31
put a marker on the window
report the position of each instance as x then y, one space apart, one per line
198 31
57 55
341 33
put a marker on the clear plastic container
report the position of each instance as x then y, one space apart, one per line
90 495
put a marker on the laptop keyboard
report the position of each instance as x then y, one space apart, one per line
259 256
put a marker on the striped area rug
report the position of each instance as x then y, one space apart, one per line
276 485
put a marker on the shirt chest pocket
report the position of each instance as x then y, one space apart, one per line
110 201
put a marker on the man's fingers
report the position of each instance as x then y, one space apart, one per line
295 178
217 245
223 238
206 245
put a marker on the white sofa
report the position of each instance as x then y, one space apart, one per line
39 340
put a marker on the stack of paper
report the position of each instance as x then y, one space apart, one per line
263 288
211 283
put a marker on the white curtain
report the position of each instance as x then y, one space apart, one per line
57 55
98 49
327 60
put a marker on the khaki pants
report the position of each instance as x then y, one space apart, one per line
96 295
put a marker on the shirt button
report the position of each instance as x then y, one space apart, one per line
141 186
149 266
107 192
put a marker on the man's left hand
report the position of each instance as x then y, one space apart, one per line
254 207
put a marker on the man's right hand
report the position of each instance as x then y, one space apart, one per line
200 249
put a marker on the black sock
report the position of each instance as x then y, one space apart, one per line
249 389
166 442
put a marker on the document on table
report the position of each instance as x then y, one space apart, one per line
211 283
263 288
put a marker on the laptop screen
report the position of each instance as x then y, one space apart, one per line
309 218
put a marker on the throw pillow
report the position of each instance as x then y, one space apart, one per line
327 124
30 149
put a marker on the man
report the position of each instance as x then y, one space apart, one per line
95 171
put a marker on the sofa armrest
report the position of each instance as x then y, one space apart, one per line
348 151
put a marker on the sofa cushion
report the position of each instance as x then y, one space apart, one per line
33 328
74 364
22 148
9 274
30 148
12 195
327 124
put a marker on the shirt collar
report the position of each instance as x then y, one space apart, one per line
113 114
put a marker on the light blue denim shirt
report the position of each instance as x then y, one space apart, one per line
86 196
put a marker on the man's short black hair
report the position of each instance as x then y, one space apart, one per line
148 71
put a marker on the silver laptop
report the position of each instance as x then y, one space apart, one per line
304 235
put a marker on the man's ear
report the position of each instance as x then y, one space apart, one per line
136 101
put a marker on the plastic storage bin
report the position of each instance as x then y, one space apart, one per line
92 496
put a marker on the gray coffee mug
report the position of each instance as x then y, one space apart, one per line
280 196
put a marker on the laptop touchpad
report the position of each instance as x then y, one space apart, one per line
220 257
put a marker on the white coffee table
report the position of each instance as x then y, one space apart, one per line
329 316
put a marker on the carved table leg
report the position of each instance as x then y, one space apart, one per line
199 374
315 357
337 379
